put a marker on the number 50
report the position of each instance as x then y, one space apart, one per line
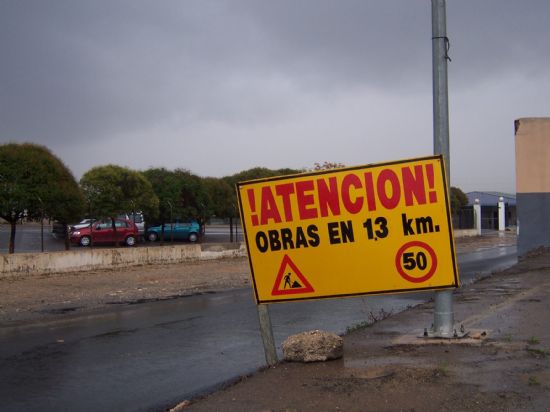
412 261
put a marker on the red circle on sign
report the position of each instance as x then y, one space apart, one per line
400 269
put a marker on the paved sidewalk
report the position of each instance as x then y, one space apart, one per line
503 366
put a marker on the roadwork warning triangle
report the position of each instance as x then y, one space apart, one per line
290 280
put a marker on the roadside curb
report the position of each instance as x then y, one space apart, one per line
81 260
220 251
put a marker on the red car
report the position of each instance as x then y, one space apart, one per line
102 232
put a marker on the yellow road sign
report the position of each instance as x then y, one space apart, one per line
381 228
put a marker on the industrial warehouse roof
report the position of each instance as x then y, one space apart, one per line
491 198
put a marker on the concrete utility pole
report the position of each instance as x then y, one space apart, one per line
443 312
477 216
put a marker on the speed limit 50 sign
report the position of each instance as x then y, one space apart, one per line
381 228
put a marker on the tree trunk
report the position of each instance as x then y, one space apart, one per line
67 238
12 236
117 243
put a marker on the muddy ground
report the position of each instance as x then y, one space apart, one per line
503 365
31 298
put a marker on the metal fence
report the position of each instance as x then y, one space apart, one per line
463 218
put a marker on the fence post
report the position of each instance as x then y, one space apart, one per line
501 214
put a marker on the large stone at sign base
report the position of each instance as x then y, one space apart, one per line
313 346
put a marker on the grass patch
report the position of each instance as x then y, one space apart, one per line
443 369
357 326
539 353
533 341
372 319
533 381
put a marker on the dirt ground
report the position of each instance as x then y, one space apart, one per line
31 298
34 297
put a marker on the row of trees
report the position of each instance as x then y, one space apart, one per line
35 184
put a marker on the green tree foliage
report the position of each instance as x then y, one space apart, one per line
458 199
111 190
193 200
221 197
167 189
35 183
180 193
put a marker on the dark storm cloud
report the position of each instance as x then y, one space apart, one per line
495 38
84 75
79 70
344 43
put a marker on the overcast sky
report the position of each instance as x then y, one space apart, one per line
219 86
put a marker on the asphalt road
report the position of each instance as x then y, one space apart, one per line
151 356
28 238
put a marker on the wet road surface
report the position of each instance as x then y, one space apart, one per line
153 355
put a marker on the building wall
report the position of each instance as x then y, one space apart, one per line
533 183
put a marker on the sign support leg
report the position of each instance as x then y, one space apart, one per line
444 315
267 335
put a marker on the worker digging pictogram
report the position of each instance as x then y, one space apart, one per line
290 280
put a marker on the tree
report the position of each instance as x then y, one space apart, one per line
458 199
220 196
112 190
166 188
193 200
35 183
179 192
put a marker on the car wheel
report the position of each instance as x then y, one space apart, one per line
130 241
85 241
193 237
152 236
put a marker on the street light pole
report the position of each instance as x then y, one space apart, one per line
171 223
91 222
443 311
41 224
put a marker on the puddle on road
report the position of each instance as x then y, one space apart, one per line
377 365
60 311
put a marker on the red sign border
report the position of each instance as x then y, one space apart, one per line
424 246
